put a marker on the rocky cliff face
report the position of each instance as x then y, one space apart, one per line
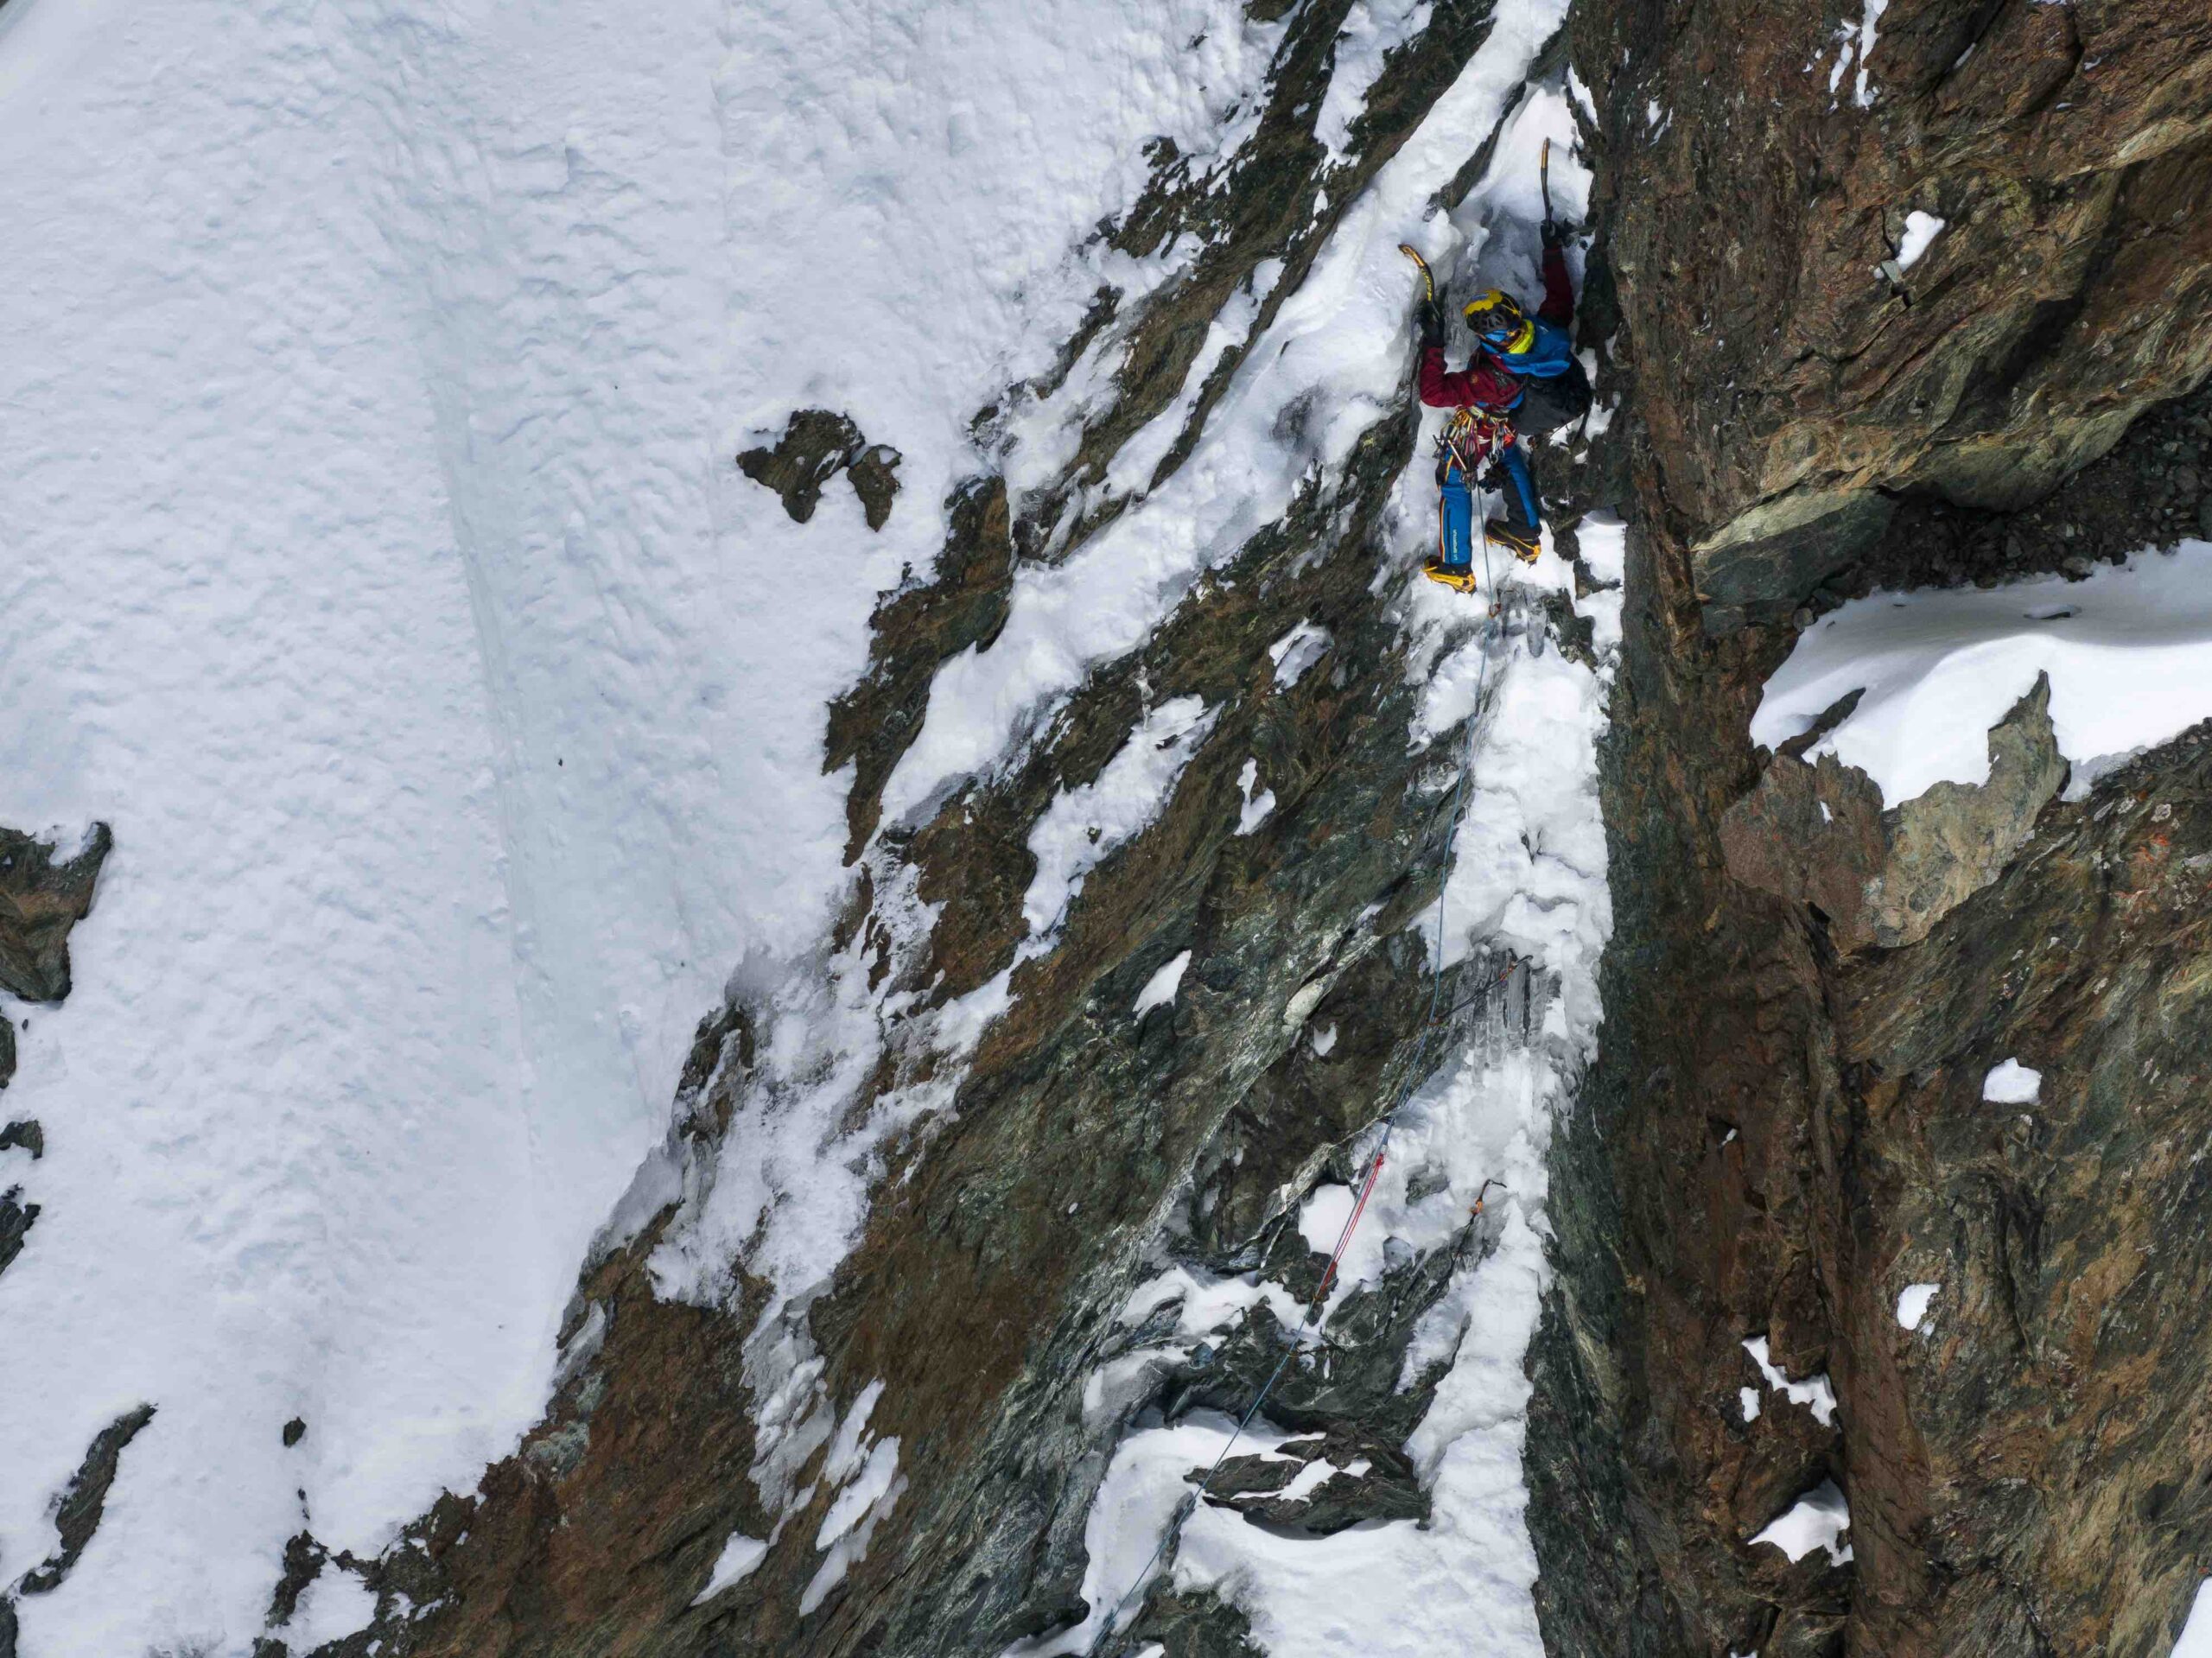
1785 1129
1788 1129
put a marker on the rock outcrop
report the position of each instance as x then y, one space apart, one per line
41 896
814 446
1770 163
1787 1131
1818 834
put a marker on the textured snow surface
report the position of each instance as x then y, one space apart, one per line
363 374
1940 668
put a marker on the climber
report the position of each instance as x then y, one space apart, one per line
1523 371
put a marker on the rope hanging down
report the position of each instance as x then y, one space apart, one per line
1413 1076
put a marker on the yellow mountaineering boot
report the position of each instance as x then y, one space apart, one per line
1525 546
1460 577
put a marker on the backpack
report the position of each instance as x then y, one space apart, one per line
1547 405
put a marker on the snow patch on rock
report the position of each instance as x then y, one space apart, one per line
1940 668
1913 1303
1816 1520
1814 1393
1159 989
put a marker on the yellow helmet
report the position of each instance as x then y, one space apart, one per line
1498 320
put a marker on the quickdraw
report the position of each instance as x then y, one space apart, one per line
1471 437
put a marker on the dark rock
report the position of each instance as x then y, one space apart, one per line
16 1219
304 1559
26 1134
78 1515
295 1431
39 900
1374 1481
814 446
1783 547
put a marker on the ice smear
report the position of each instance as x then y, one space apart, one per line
1920 229
1913 1302
1816 1520
1159 989
737 1561
1748 1400
2010 1083
1298 650
1939 669
1258 803
1814 1393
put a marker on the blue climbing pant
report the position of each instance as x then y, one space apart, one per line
1519 488
1455 520
1455 504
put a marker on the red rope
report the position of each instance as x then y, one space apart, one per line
1344 1238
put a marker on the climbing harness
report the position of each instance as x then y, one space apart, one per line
1413 1076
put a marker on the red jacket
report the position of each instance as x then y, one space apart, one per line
1483 383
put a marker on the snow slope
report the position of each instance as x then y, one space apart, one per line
375 565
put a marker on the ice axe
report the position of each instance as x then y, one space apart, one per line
1544 177
1428 281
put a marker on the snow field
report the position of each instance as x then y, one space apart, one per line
346 562
1940 668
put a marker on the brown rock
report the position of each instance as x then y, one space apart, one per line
816 446
1818 834
40 901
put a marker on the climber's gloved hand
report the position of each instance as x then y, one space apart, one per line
1429 318
1555 233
